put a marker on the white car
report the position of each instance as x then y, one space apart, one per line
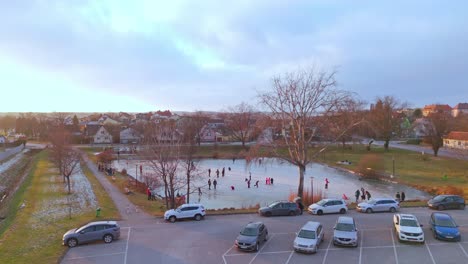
408 228
328 206
185 211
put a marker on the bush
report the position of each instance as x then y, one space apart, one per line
413 141
370 166
124 172
307 197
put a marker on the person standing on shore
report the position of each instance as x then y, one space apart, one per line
357 194
363 194
403 196
368 195
398 197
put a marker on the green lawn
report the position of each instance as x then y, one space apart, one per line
425 172
35 234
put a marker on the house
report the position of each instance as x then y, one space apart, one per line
456 139
129 136
97 134
124 118
3 140
210 134
460 108
436 108
421 127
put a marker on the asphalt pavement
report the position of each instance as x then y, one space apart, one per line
212 241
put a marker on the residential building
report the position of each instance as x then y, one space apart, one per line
3 140
460 108
457 140
129 136
97 134
436 108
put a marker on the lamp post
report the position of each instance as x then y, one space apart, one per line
312 188
393 165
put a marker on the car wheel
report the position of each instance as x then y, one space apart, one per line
108 238
172 219
72 242
320 212
440 207
197 217
266 237
268 214
257 246
292 213
342 211
368 210
392 209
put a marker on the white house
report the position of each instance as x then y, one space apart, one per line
129 136
102 136
3 140
456 139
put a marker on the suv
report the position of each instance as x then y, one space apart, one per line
280 208
251 236
408 228
345 232
102 230
194 211
309 237
326 206
379 205
442 202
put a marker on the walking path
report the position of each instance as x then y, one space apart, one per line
129 213
443 152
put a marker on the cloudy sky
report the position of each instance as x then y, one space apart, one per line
145 55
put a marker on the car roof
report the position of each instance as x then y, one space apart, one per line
254 224
378 199
345 220
102 223
185 205
311 225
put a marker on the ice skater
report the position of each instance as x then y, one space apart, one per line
209 184
256 183
326 183
209 172
215 183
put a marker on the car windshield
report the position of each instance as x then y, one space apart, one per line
249 231
345 227
321 202
445 222
306 234
409 222
439 198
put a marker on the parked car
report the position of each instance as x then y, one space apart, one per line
280 208
185 211
444 227
251 236
94 231
442 202
378 205
408 228
327 206
309 237
345 232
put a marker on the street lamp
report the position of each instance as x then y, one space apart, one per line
312 188
393 162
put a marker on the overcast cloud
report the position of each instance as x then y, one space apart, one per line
140 55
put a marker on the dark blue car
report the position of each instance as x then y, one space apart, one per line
444 227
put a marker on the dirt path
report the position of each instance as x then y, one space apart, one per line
127 210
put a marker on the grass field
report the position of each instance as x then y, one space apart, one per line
35 234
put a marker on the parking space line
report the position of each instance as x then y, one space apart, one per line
224 255
126 247
93 256
430 253
275 252
326 252
360 247
289 258
262 248
394 247
464 251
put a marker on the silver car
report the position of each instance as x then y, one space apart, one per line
309 237
345 232
94 231
378 205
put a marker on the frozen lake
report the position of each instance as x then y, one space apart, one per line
286 179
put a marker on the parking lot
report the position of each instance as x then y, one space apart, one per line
211 241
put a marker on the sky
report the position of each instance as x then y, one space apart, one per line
148 55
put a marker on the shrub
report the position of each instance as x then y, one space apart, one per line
413 141
307 197
370 166
124 172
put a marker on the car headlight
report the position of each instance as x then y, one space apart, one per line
457 233
438 232
295 244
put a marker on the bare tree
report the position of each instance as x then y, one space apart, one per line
239 121
296 100
161 150
438 128
348 112
383 120
69 164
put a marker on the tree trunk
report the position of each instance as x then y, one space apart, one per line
436 150
68 183
386 144
188 184
300 188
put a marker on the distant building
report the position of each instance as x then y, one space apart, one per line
3 140
456 139
129 136
436 108
460 108
97 134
